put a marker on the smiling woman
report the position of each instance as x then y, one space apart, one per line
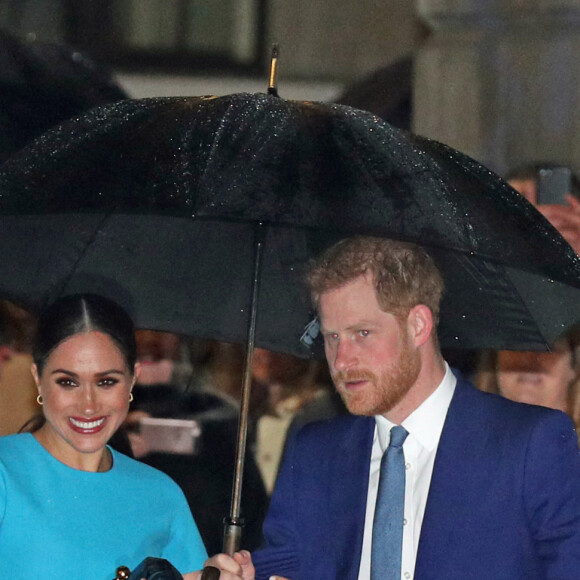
66 497
85 387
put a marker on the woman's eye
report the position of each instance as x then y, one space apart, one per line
66 382
108 382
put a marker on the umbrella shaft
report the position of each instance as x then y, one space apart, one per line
232 531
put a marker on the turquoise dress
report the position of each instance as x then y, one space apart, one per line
60 523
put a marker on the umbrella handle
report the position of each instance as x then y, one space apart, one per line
232 537
210 573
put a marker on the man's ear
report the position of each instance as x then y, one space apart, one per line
420 323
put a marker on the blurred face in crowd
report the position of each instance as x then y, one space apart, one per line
277 367
370 353
157 352
85 387
265 365
538 378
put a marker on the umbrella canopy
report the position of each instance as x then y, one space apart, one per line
163 203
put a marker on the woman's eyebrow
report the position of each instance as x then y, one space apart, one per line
100 373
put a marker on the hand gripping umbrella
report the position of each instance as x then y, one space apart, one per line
199 215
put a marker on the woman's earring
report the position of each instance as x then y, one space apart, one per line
39 399
131 397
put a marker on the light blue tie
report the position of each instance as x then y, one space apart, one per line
389 511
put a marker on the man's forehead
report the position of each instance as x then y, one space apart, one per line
364 276
350 305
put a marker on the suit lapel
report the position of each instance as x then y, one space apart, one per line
451 489
348 495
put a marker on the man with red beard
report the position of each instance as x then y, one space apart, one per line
490 488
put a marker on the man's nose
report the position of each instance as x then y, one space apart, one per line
344 356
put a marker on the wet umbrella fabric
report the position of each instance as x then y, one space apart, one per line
160 203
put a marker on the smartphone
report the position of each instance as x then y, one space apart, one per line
178 436
553 185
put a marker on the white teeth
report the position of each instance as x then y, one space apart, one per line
87 424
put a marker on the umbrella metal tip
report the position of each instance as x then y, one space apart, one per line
272 87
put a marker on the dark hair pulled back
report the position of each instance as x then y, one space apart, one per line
81 313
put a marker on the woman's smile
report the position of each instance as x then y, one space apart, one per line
87 426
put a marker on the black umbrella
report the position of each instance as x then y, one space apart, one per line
166 199
199 215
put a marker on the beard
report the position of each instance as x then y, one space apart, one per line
383 391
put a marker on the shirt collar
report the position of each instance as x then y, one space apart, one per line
425 423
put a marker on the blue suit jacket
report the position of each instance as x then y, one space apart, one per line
504 500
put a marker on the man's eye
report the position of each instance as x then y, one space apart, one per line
364 332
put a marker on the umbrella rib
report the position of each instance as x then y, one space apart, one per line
82 254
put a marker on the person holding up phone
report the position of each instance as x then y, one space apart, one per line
555 191
549 379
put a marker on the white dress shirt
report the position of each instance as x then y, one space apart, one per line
424 426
